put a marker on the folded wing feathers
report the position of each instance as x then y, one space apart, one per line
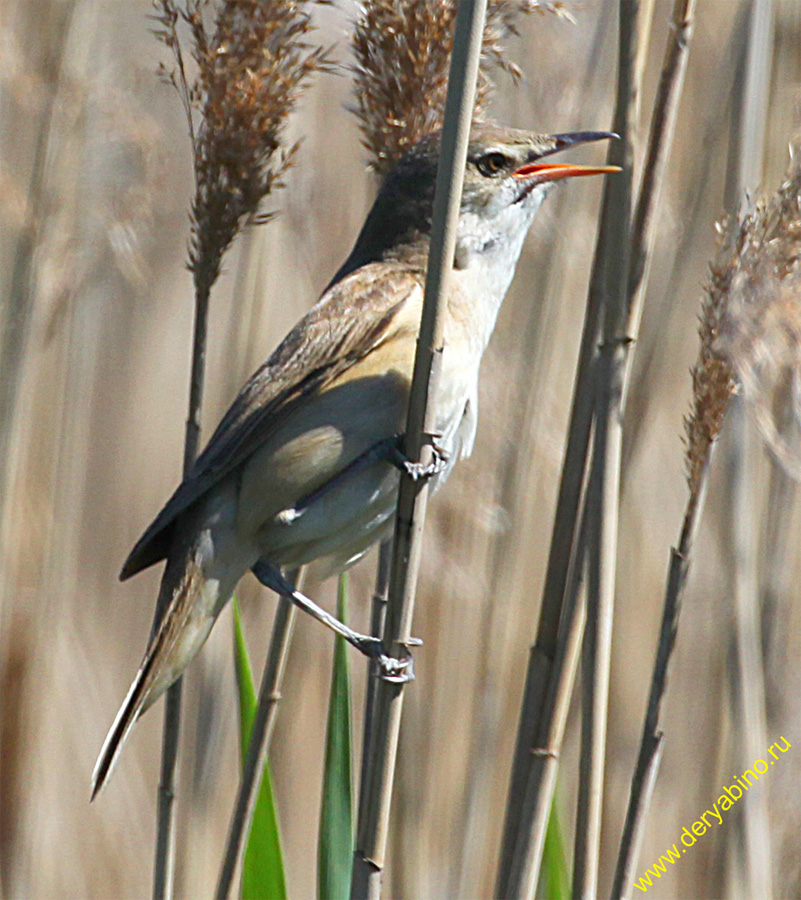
319 347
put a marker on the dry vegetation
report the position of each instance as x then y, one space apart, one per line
95 176
759 268
252 66
401 51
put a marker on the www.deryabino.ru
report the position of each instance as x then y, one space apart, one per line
725 801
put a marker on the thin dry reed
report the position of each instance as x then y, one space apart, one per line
252 66
387 695
402 52
713 386
602 502
749 333
552 658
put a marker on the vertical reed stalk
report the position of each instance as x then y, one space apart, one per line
537 801
693 194
164 863
651 742
603 493
620 358
514 496
535 715
660 141
251 66
527 811
377 618
407 547
523 839
401 53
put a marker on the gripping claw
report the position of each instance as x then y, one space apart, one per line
423 471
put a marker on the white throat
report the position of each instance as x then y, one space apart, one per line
487 251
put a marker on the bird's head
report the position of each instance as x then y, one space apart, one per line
505 181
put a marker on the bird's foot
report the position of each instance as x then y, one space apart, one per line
419 471
397 670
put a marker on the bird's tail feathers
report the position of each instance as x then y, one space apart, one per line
182 631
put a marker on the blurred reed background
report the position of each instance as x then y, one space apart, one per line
94 360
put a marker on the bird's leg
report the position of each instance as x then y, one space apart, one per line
389 450
396 670
420 471
382 450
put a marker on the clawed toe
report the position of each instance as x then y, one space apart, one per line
423 471
397 671
390 668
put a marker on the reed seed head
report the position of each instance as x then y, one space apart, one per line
402 51
751 328
253 63
712 376
760 332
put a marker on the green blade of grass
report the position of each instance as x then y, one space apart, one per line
263 866
555 876
335 847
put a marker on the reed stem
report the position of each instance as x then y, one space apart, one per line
164 862
407 547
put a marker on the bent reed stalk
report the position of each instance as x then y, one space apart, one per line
750 334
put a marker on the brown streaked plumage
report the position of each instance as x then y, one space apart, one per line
299 467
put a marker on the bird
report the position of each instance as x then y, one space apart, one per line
305 464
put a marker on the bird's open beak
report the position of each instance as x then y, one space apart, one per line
539 173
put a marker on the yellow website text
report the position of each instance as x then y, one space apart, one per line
714 816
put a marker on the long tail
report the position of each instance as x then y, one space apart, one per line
183 629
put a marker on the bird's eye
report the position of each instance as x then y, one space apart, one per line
492 163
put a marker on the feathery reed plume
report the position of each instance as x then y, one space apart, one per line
402 49
251 70
750 336
760 332
712 375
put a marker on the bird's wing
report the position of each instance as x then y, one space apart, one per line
350 319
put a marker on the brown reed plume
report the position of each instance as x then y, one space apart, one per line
712 375
401 50
760 333
750 338
252 67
